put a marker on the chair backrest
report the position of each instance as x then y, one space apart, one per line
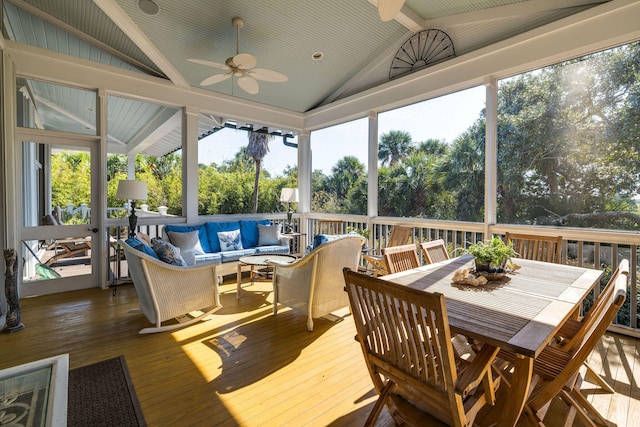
434 251
539 248
599 307
588 336
405 337
329 227
401 258
399 235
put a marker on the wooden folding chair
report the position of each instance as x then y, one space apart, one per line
558 369
401 258
434 251
406 342
400 235
539 248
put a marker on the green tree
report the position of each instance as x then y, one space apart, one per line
257 148
394 146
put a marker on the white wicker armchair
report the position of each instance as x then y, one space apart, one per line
167 291
315 283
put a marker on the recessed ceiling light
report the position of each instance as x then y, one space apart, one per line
317 56
149 7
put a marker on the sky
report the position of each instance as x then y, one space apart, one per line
443 118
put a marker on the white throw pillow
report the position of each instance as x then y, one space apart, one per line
187 242
268 235
230 240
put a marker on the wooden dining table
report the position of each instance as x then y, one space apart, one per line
520 312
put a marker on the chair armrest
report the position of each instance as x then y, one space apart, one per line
477 369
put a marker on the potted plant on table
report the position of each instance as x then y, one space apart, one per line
491 255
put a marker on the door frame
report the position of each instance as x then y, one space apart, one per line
95 228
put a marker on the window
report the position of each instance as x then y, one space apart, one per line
431 158
568 144
339 164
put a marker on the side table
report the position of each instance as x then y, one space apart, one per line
259 261
296 242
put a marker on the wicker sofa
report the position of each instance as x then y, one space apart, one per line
253 234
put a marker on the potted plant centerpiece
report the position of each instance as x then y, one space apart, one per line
491 255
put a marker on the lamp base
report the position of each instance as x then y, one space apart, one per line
133 220
289 221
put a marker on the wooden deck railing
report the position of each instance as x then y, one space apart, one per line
582 247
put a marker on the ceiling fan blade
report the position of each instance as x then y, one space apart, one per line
244 61
210 64
388 9
248 84
216 78
267 75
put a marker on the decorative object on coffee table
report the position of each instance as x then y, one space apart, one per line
11 291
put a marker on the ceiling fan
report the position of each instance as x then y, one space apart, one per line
242 66
388 9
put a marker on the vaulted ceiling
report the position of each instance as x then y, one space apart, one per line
357 48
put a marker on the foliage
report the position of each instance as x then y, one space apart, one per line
364 232
493 251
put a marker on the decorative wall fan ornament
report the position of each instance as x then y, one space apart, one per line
242 66
422 50
388 9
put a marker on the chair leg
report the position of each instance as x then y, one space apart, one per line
377 408
598 379
588 407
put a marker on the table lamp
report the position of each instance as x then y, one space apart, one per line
132 190
289 196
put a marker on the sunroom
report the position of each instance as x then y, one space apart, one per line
529 124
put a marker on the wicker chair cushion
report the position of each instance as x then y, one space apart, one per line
137 244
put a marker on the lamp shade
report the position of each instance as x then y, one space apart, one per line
289 195
131 190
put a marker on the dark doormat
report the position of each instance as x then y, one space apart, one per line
102 395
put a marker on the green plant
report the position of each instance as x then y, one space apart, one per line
363 232
493 251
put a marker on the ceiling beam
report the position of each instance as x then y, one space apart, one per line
507 11
126 24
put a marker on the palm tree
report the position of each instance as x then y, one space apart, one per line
258 148
394 146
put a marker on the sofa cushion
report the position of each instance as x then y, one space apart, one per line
209 258
168 253
319 239
135 243
268 235
188 241
202 234
212 232
230 240
273 249
249 232
230 256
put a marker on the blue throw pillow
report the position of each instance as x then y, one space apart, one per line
249 232
230 240
168 253
135 243
319 239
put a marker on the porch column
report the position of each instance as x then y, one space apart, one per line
491 155
304 175
190 163
372 197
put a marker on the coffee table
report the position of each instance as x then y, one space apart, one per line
261 260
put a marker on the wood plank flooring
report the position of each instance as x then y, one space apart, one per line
246 367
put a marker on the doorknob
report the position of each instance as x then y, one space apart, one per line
93 230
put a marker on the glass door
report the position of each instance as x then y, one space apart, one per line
60 238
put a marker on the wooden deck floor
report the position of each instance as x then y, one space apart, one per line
246 367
